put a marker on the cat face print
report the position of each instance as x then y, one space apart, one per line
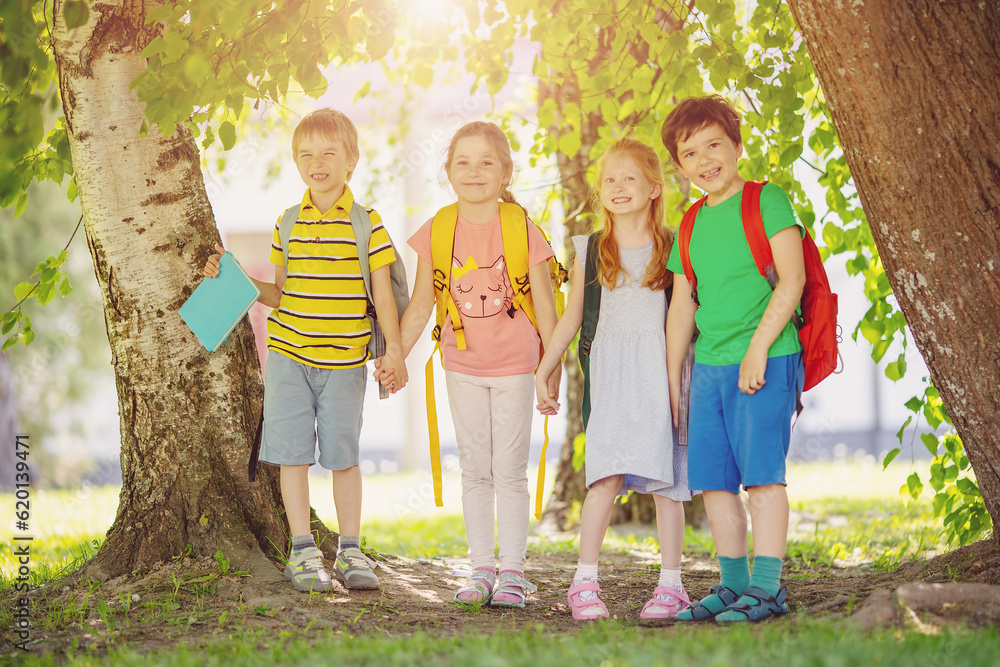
481 292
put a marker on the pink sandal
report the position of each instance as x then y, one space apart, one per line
666 602
578 605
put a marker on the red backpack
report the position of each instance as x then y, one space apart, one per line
817 326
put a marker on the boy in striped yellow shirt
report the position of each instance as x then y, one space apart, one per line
317 337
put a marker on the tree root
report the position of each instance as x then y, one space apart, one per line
926 607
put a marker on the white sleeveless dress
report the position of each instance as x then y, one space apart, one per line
630 431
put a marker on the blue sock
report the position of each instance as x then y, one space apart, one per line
735 576
767 574
350 542
735 573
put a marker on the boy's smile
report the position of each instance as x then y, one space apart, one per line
708 159
324 163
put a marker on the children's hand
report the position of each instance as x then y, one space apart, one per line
752 371
547 404
394 372
553 383
380 373
384 374
211 269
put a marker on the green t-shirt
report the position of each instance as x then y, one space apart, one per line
732 293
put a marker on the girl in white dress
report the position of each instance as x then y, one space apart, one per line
631 444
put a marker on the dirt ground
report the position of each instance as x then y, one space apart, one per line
189 600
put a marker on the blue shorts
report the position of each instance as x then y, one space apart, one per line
737 438
302 402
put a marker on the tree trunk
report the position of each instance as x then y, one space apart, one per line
8 425
187 417
913 91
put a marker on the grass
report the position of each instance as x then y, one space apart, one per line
603 644
863 524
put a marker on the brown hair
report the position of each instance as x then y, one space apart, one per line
498 141
610 270
695 113
328 123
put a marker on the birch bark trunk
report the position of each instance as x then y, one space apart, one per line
187 417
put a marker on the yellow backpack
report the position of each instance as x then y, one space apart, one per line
514 231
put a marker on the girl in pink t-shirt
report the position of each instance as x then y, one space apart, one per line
490 382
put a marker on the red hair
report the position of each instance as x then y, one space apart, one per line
609 268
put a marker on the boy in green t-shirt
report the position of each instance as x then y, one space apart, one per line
747 367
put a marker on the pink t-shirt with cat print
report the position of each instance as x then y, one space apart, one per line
496 344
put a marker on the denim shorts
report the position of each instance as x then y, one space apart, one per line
738 438
303 403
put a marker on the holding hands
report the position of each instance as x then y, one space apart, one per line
390 371
547 391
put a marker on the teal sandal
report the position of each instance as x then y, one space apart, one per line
759 607
481 582
700 612
512 583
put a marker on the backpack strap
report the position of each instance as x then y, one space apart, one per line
514 229
684 243
288 220
753 229
361 223
591 313
760 246
442 252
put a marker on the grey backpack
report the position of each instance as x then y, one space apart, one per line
362 225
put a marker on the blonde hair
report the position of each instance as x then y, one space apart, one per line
328 123
609 267
498 142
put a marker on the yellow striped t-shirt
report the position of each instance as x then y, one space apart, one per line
321 318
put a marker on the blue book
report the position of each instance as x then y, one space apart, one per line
218 304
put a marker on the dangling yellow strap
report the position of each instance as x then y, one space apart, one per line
432 427
540 486
456 320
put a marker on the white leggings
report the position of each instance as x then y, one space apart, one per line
492 417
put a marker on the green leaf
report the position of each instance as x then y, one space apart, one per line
569 143
914 404
9 343
899 433
930 442
422 75
227 132
65 288
914 486
889 457
9 320
27 335
22 290
579 446
897 369
75 13
790 154
967 487
22 203
365 88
